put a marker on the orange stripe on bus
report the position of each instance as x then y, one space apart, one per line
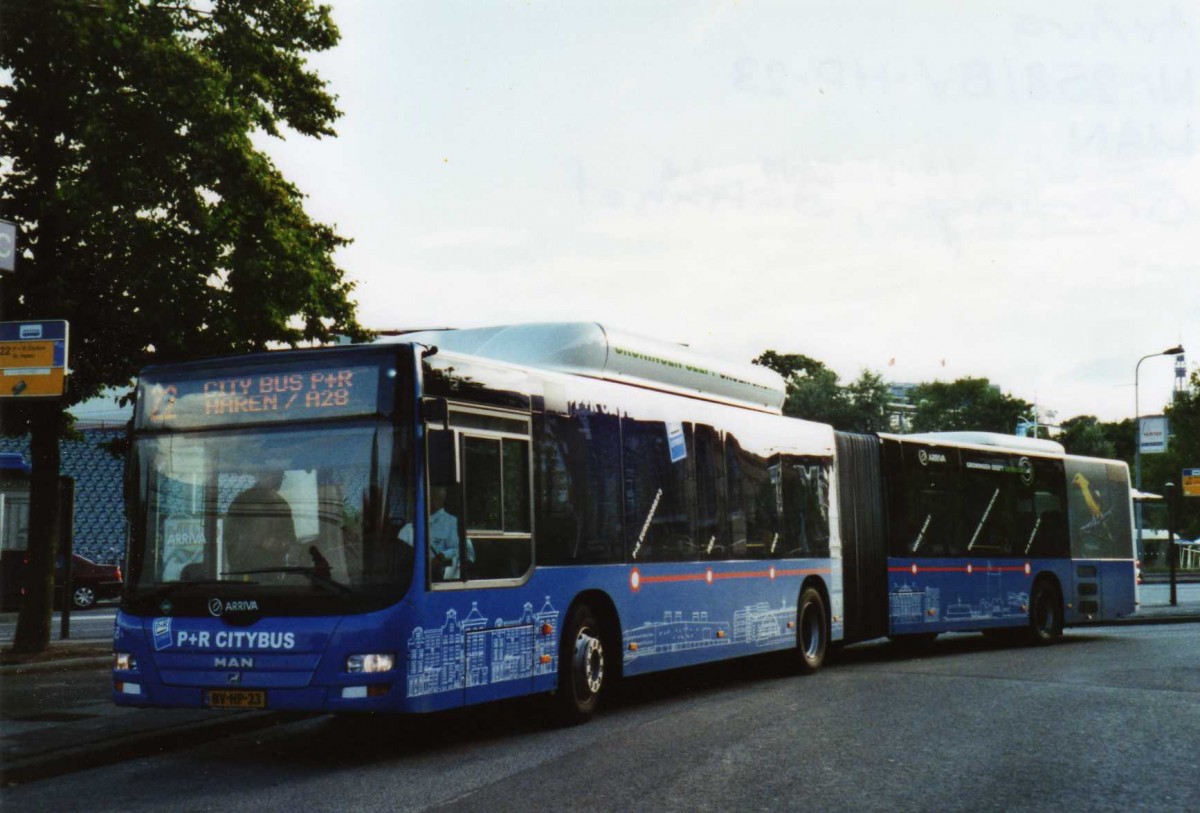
741 574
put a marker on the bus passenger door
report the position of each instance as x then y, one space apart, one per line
496 553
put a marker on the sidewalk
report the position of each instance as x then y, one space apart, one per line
56 715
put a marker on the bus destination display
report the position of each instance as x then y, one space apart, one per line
251 397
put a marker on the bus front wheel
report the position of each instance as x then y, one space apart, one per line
812 637
583 672
1045 614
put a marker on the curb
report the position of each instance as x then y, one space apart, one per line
140 744
63 665
1145 620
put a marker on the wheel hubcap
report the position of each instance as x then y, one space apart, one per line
83 596
589 663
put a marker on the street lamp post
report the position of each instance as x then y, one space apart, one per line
1137 434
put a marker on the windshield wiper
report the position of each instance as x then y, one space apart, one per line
316 577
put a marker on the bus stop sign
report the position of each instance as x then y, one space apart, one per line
33 359
1191 482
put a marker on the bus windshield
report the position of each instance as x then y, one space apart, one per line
306 513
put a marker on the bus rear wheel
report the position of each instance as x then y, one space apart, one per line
1045 614
583 671
812 637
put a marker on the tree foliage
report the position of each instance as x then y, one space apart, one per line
1086 435
964 405
148 217
814 393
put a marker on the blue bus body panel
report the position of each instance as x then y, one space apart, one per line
671 615
947 595
1104 589
473 646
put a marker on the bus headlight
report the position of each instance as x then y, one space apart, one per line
124 662
370 663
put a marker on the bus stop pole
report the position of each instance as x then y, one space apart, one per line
66 547
1172 550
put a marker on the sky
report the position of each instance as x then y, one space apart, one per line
928 190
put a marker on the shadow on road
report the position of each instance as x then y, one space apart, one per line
349 741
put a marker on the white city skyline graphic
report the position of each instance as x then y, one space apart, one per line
474 652
758 624
919 604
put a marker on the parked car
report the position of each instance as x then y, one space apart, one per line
90 581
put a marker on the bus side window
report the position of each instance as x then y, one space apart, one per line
498 544
659 510
805 506
754 497
989 489
579 499
928 502
712 519
1039 518
1048 535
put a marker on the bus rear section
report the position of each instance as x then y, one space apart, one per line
981 532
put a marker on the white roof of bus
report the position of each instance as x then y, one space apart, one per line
1012 443
592 350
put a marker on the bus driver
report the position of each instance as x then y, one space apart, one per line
259 528
443 538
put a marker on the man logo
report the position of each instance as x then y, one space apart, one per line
233 678
215 607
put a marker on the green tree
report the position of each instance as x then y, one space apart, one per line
869 399
812 388
149 218
815 394
1085 435
963 405
1123 438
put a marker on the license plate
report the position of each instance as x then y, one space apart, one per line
224 699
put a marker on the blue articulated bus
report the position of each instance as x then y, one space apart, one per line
453 517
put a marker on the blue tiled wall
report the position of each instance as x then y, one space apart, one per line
99 509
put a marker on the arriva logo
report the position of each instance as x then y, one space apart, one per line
925 458
216 607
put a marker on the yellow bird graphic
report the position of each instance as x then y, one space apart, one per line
1090 495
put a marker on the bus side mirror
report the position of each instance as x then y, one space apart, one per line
443 461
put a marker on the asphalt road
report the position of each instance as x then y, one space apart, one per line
1107 720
